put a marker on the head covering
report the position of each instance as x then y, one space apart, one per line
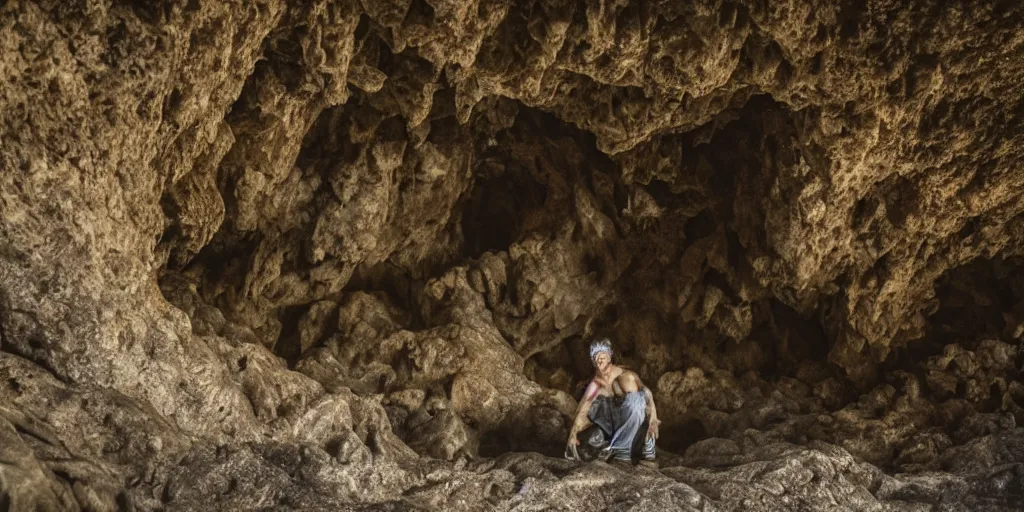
600 345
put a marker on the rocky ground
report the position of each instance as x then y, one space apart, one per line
348 254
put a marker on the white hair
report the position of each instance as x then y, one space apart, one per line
600 345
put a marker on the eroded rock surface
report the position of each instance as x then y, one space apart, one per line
347 254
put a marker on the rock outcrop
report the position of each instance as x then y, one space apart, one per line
347 254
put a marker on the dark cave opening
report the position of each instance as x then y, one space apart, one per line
523 180
733 165
522 183
520 187
977 314
492 216
981 299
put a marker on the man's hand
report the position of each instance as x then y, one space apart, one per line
652 428
571 452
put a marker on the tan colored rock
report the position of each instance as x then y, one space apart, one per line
229 278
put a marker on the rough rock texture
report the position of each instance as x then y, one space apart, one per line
347 254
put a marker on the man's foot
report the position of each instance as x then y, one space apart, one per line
648 463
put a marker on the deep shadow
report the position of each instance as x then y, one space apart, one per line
492 217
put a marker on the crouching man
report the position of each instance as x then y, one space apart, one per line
616 419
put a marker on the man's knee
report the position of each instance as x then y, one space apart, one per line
636 412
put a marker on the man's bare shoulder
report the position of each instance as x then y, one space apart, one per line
628 380
629 374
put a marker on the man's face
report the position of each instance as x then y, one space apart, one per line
602 360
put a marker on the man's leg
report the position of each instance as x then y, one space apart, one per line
648 451
631 417
644 444
594 439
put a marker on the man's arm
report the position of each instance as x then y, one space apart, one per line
652 411
581 421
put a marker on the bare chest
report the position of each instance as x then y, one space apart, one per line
617 386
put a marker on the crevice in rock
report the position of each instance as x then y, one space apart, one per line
288 345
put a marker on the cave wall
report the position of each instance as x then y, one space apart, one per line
383 229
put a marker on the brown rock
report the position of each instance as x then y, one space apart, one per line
228 277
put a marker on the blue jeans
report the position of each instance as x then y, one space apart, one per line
620 423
